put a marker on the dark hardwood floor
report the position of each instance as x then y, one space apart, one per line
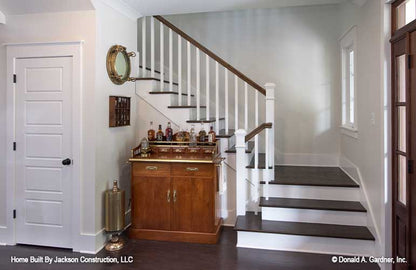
183 256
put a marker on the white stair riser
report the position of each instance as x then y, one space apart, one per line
314 192
310 244
314 216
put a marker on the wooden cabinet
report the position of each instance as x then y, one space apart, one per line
174 202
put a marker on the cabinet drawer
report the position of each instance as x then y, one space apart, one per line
151 169
189 169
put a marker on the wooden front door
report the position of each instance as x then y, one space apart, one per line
403 148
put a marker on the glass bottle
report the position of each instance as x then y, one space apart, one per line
159 134
186 136
179 135
192 137
211 135
202 134
168 133
151 132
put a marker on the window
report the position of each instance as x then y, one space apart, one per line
405 13
349 91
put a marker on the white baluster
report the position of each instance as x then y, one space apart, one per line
256 138
162 59
241 172
226 99
235 102
152 47
207 85
245 106
217 99
171 62
270 103
188 53
198 85
144 47
179 71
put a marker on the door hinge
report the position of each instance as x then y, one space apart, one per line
14 78
410 166
14 146
14 214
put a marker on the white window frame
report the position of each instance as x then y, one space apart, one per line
348 43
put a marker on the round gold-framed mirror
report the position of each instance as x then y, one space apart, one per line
118 64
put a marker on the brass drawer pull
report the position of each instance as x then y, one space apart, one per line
151 168
174 195
168 196
192 169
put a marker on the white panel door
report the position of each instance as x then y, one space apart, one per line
43 140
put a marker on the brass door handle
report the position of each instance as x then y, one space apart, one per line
168 196
174 195
192 169
151 168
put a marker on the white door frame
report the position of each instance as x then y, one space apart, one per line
53 49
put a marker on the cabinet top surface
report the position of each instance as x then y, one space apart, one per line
177 158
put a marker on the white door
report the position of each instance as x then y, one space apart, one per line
43 140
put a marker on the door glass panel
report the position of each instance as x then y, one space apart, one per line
402 179
401 78
401 128
405 13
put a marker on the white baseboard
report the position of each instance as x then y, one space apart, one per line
307 159
353 171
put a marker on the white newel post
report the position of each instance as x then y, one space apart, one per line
270 100
241 171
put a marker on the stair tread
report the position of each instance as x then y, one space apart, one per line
254 223
204 120
167 93
349 206
248 150
224 134
261 164
155 79
185 107
312 176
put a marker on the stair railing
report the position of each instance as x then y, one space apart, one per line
242 139
194 63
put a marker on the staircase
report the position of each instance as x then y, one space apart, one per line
306 209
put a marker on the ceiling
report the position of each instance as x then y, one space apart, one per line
165 7
18 7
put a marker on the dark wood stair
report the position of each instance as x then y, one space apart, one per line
249 149
254 223
204 120
155 79
312 204
262 162
167 93
185 107
224 134
312 176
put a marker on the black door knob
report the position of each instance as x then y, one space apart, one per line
66 162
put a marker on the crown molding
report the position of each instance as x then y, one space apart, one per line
120 6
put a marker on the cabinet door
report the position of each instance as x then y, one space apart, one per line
193 204
151 202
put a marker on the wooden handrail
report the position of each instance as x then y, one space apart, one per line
211 54
257 130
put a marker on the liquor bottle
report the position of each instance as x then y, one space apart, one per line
192 137
211 135
202 134
151 132
159 134
186 136
169 132
179 136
